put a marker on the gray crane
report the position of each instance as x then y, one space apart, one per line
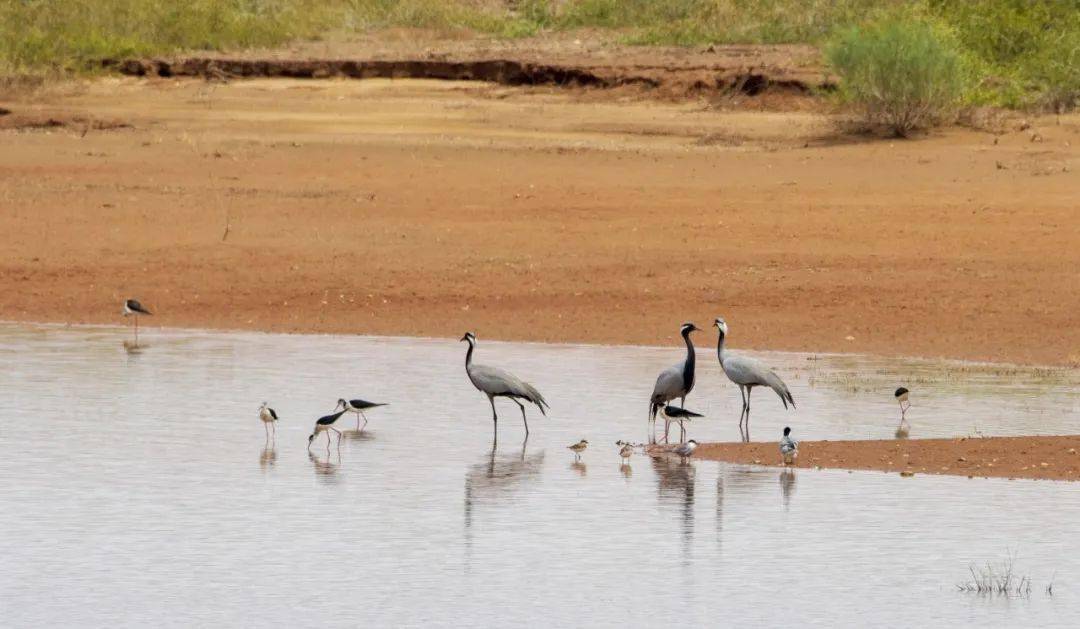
674 382
748 373
494 382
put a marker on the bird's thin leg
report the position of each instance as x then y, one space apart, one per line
365 419
136 330
266 429
522 407
494 416
749 390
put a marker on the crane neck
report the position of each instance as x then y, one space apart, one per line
468 354
720 347
691 360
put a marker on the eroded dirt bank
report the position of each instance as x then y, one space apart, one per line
432 207
1048 458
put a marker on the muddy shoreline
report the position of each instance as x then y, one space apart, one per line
1042 458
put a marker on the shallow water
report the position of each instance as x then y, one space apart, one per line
137 490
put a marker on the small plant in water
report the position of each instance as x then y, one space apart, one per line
998 579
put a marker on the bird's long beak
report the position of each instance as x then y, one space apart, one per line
464 338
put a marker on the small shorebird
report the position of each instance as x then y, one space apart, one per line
625 451
686 450
679 416
789 448
325 424
358 406
268 417
578 448
132 308
901 396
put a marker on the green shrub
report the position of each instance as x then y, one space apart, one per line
902 70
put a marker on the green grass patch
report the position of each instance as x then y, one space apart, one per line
1025 53
903 71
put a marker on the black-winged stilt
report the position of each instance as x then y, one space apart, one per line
268 417
358 406
132 308
326 424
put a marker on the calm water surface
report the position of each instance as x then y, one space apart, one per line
137 489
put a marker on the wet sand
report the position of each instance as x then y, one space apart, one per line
1046 458
428 208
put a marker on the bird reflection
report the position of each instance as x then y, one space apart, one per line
267 457
133 348
579 467
325 469
903 431
675 484
787 486
626 470
495 479
358 435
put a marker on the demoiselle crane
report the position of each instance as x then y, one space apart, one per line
748 373
674 382
494 382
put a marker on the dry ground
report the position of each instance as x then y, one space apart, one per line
1048 458
429 208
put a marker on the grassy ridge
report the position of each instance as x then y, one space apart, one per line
1025 52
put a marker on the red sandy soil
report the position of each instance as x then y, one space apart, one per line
429 208
1048 458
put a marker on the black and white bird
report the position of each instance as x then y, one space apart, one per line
677 415
686 450
748 373
358 406
268 417
326 424
676 381
578 448
132 308
902 395
789 448
494 382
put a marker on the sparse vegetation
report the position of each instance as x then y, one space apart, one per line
903 71
999 580
1022 53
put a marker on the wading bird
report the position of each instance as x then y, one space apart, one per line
902 399
358 406
748 373
789 448
268 417
326 424
679 416
494 382
625 451
132 308
674 382
686 450
578 448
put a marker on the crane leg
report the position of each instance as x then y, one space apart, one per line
494 417
749 390
522 407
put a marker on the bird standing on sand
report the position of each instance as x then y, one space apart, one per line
578 448
686 450
358 406
902 399
494 382
268 417
676 381
678 415
132 308
625 451
748 373
789 448
326 424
